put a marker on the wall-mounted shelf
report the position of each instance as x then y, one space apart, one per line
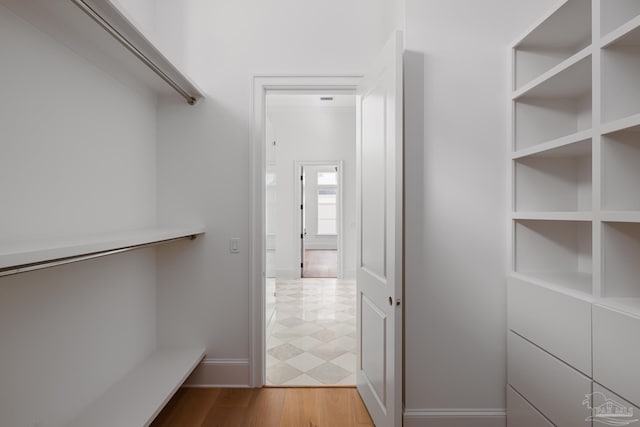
138 398
615 15
101 32
559 35
27 255
554 180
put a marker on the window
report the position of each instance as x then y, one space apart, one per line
327 203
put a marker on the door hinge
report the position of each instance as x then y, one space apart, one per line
301 265
301 208
301 178
301 236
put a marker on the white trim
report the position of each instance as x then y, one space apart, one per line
297 224
260 85
220 373
455 417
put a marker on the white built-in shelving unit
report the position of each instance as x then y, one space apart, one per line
574 281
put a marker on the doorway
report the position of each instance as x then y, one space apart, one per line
310 165
320 223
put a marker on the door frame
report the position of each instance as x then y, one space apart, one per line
257 187
339 208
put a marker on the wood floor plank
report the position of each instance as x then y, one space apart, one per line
301 408
188 408
266 407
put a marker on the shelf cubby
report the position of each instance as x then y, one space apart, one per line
621 77
558 37
615 13
621 174
621 256
555 108
557 180
555 252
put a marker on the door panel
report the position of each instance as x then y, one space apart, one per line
379 157
373 180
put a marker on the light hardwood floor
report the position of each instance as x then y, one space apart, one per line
265 407
320 263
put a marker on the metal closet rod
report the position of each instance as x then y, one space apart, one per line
131 48
15 269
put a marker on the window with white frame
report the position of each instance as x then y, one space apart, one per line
327 203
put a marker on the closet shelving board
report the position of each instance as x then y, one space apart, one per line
137 399
574 206
20 253
69 24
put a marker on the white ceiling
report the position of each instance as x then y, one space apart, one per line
310 100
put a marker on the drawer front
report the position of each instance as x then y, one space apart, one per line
616 352
521 414
559 323
606 403
553 387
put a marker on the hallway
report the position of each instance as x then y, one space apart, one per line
312 339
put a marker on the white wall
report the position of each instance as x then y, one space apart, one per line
311 134
456 120
203 153
77 156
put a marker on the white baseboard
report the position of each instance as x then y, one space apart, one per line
288 274
455 417
220 373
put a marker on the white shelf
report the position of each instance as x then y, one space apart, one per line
573 284
629 306
621 170
627 34
552 146
68 24
138 398
553 216
621 74
556 180
621 216
558 251
630 123
570 78
15 254
557 107
563 32
621 255
615 16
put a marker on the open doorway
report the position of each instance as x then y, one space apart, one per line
310 238
320 219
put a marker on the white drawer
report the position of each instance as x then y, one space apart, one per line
559 323
521 414
553 387
616 352
606 403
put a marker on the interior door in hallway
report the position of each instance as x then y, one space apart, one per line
379 162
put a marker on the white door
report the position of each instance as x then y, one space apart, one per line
379 211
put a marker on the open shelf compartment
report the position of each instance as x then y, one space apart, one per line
566 31
557 180
621 174
621 253
615 13
557 107
555 252
621 77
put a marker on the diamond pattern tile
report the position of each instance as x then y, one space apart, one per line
312 340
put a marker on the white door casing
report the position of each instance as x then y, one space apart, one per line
379 189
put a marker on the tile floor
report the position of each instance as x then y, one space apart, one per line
312 338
